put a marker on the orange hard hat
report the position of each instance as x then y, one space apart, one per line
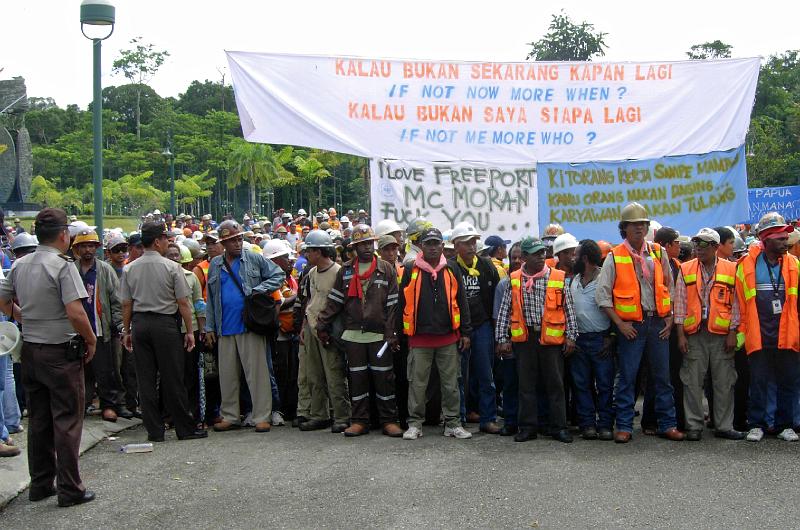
605 248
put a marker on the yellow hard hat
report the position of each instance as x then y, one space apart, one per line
634 213
86 236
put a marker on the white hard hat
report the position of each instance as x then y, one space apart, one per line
344 219
651 232
564 242
464 231
276 248
156 212
198 235
75 227
301 212
447 235
10 343
387 226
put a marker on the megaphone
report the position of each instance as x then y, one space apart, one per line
10 340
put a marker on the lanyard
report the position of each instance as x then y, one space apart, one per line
776 285
707 282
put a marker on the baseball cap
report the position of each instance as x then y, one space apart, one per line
386 240
134 240
531 245
496 241
430 234
115 242
707 234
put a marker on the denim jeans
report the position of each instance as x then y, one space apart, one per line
5 360
476 363
590 372
510 391
630 352
784 367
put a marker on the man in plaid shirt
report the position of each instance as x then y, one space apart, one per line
533 357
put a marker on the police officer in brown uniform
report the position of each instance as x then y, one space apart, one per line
153 293
50 290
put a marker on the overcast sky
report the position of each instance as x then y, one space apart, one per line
41 39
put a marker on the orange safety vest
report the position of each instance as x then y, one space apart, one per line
554 321
720 297
286 316
399 268
551 262
203 265
626 291
411 297
750 327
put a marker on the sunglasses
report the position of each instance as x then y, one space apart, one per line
118 250
701 244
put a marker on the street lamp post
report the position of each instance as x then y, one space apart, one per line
171 156
97 13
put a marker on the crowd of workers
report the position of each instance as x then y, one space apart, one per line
335 323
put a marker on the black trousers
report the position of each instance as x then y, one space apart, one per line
534 360
55 390
158 348
283 365
365 367
191 378
102 372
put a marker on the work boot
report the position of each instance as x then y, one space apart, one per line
124 412
356 429
491 428
226 426
8 450
392 430
109 415
263 426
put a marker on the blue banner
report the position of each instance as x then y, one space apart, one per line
684 192
783 199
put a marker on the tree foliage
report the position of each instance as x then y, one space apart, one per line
568 41
710 50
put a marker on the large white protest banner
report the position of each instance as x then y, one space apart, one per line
499 112
499 199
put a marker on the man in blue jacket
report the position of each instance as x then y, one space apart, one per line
232 276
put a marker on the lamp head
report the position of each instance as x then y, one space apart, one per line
97 13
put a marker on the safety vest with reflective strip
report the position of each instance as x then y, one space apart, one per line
411 298
720 297
554 321
750 326
626 292
204 280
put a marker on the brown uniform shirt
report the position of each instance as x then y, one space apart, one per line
154 283
44 282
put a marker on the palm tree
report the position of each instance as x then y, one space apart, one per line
255 164
311 172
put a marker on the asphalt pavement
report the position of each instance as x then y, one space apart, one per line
290 479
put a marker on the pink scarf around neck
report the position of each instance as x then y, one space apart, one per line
639 256
424 265
530 278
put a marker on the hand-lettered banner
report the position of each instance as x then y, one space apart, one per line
498 112
783 199
497 199
686 193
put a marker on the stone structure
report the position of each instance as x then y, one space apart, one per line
16 160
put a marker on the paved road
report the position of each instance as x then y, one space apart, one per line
289 479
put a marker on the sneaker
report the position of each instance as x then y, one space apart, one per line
248 420
277 419
755 434
788 435
412 433
457 432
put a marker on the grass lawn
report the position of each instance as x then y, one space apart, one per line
128 224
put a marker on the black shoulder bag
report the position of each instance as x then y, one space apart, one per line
260 313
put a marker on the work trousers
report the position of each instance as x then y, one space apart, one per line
783 367
303 392
126 373
193 379
593 375
284 364
510 390
707 353
535 360
245 352
55 390
102 371
326 378
476 372
365 366
629 356
420 361
158 349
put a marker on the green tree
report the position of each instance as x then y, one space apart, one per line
710 50
139 65
568 41
311 172
254 164
132 103
44 192
201 98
